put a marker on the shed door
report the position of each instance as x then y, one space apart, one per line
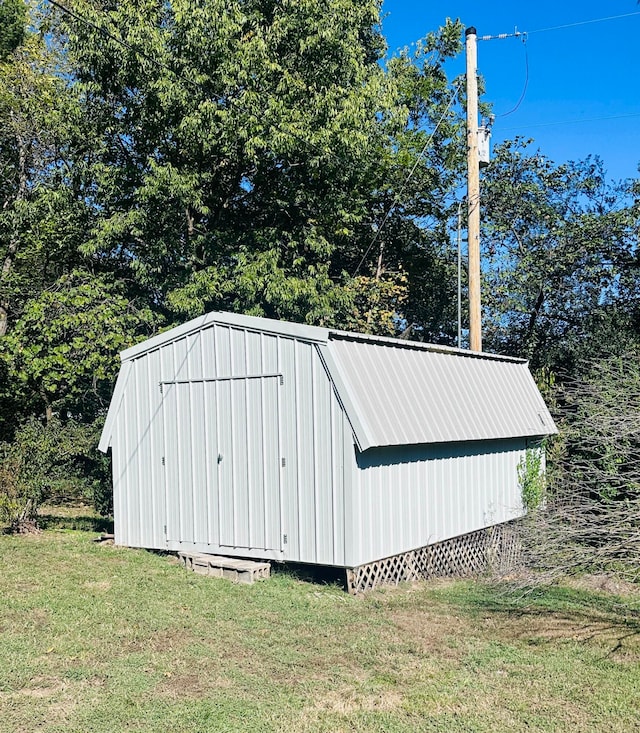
222 462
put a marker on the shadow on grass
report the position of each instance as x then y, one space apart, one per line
593 613
84 523
317 574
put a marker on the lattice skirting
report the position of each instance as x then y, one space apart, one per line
496 548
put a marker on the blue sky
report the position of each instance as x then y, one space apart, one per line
578 74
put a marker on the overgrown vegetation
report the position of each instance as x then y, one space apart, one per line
50 462
532 480
591 520
99 638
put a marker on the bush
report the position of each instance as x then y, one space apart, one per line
532 479
52 461
26 475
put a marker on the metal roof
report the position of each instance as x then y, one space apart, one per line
398 392
263 325
404 396
294 330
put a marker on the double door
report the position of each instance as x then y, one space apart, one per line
222 462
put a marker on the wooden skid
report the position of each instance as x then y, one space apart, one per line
496 548
231 568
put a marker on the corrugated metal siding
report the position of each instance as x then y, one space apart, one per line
138 489
222 462
409 497
405 396
313 488
291 483
221 394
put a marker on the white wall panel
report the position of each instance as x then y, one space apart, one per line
418 495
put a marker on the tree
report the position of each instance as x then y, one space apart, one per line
246 168
43 213
13 20
61 352
60 360
561 259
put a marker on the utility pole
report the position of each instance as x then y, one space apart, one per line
460 275
473 192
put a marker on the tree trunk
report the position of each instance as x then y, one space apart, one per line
379 265
48 410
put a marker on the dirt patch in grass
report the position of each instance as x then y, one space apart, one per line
191 686
51 703
604 583
434 633
99 585
39 618
348 700
42 687
172 640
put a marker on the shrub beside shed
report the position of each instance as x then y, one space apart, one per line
264 439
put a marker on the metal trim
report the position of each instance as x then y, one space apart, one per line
114 407
360 430
250 323
224 379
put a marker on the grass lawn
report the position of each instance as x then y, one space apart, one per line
98 638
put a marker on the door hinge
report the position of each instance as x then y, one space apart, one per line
284 462
163 460
165 529
281 380
161 387
284 539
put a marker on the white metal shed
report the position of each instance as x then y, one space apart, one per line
264 439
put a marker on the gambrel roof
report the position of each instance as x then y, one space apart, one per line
396 392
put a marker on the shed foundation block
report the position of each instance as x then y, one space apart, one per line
231 568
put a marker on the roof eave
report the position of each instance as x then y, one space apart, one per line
360 430
114 407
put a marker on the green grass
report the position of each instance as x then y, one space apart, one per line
97 638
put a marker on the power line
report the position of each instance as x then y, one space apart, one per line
584 22
523 34
397 197
526 81
573 122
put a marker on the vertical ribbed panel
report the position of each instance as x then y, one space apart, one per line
222 463
288 433
305 453
232 439
408 497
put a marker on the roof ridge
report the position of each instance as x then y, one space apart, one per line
421 346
